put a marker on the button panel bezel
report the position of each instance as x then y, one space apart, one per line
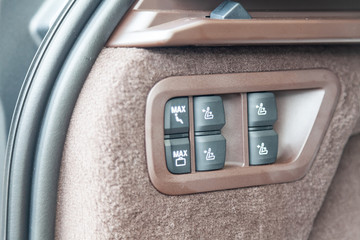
293 162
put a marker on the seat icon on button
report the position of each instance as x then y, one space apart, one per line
208 114
209 155
262 149
261 109
210 152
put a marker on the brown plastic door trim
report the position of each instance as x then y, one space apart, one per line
210 32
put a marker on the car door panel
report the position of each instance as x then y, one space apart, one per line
76 164
339 214
104 183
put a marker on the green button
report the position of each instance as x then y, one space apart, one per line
210 152
176 116
262 109
209 113
178 155
263 147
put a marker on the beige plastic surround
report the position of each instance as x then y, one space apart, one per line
154 23
305 99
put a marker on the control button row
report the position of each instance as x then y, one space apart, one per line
263 140
210 153
209 114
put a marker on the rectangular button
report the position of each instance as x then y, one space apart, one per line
176 117
209 113
263 147
261 109
210 152
178 155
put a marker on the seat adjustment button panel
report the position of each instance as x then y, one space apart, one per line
210 152
263 147
176 118
178 155
261 109
208 113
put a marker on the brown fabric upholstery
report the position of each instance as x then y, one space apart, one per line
357 128
104 189
339 217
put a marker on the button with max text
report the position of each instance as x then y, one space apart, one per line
178 155
176 118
